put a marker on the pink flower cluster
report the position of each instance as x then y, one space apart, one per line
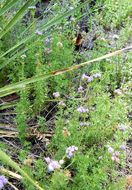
87 124
70 151
53 164
90 78
81 109
115 154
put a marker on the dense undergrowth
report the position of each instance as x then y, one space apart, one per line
71 128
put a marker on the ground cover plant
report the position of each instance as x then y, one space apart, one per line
65 95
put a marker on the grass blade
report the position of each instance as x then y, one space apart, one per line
10 89
16 18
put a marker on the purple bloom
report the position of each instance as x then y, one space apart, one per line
47 41
84 77
80 89
38 32
84 124
47 159
81 109
52 164
116 159
90 79
123 147
97 75
116 153
3 181
122 127
56 94
110 150
70 151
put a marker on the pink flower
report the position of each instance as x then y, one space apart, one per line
56 94
47 159
110 150
84 124
90 79
116 159
123 147
80 89
52 164
70 151
122 127
81 109
116 153
84 77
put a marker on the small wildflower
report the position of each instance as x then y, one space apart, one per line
38 32
56 94
52 164
84 124
122 128
47 41
97 75
116 159
122 147
80 89
116 153
81 109
47 159
118 91
70 151
59 45
61 103
90 79
84 77
110 150
3 181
